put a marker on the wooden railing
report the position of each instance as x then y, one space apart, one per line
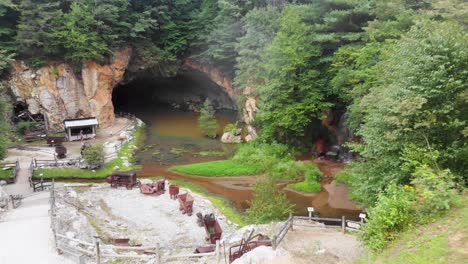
14 167
96 250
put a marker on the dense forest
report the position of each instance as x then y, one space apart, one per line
398 68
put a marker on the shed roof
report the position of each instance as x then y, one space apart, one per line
80 122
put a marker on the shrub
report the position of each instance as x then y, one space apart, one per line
311 183
391 214
94 156
269 202
434 190
25 126
232 128
207 120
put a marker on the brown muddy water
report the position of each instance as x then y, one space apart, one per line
173 137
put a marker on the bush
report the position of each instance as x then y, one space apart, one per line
311 183
25 126
391 214
269 202
434 190
207 120
94 156
232 128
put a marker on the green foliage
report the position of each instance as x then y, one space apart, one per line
207 120
392 213
25 126
434 241
232 128
420 105
5 110
74 35
94 156
5 174
269 203
434 190
260 26
311 183
218 168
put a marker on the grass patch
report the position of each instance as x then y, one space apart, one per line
6 174
126 152
311 183
219 168
224 205
211 153
307 187
443 240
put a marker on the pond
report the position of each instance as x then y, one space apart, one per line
173 137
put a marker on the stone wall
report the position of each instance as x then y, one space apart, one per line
59 93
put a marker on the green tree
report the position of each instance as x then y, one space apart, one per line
269 202
77 37
420 100
207 120
94 156
260 26
37 19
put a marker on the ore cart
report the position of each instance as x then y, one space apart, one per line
127 179
186 203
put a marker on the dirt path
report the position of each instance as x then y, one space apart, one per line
26 236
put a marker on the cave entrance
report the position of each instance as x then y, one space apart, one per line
168 106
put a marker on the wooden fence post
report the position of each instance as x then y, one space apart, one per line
273 242
291 217
217 251
343 224
98 250
158 254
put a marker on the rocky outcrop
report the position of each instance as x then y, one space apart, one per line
230 138
59 93
217 76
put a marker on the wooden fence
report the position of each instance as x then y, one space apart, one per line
339 223
14 167
96 250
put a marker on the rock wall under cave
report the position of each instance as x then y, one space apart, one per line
59 93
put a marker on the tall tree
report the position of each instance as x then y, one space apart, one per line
421 101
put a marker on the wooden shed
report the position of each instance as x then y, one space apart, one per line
83 128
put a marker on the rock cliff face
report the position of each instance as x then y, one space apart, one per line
250 105
59 93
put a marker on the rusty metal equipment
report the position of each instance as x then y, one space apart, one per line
212 228
154 188
127 179
55 141
173 191
205 249
246 245
123 242
186 203
61 151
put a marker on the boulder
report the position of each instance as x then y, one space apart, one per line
230 138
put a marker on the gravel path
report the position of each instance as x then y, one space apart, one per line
26 236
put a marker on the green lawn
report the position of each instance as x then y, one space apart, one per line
74 173
305 186
442 241
219 168
224 205
311 183
5 174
